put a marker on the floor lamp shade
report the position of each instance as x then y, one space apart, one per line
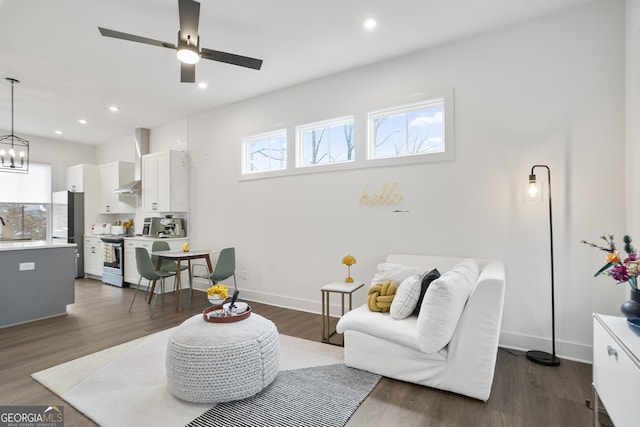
543 357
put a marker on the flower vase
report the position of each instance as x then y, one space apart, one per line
631 308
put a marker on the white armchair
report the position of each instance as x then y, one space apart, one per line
465 364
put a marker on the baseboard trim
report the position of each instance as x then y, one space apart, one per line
564 350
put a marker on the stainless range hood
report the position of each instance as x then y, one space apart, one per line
141 148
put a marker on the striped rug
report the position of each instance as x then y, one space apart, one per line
322 396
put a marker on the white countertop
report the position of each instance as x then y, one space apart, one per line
98 236
32 244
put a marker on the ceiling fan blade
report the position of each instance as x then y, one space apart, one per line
231 58
133 38
189 12
187 73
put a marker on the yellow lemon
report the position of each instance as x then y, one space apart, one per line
185 247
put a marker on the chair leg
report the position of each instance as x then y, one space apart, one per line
162 290
235 285
190 287
134 294
155 296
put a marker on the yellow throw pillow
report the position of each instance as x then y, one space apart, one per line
381 295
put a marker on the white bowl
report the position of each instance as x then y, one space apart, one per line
215 299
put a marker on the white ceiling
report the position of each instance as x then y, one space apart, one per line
69 71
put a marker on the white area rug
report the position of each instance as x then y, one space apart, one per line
125 385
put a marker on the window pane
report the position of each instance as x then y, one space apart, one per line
266 152
330 141
426 131
409 130
260 155
316 147
391 135
25 222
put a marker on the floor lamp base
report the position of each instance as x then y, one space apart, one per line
543 358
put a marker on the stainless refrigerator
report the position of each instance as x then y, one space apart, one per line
67 222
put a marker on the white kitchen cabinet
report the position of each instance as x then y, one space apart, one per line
616 369
93 256
112 176
165 182
131 275
82 178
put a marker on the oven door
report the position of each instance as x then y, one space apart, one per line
113 269
113 255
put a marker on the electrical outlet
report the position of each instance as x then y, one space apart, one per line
27 266
245 275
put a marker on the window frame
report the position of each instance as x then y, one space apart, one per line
246 152
362 131
447 129
323 124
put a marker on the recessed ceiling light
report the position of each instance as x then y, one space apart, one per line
58 132
202 85
370 23
82 121
114 109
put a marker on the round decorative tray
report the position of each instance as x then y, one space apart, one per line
224 319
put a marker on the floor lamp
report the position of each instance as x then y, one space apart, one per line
542 357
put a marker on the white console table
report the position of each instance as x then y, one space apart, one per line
616 370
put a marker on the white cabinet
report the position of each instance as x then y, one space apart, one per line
131 275
112 176
93 256
165 182
82 178
616 369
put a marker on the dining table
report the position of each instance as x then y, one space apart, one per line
179 256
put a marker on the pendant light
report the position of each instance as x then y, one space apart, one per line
14 151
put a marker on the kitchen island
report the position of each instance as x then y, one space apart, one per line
37 280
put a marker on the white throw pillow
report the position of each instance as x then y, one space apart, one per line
443 304
393 272
406 298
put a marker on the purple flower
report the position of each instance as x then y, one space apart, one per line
619 273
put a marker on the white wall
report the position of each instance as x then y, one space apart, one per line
550 91
632 14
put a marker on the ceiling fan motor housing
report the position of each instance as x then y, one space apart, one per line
187 51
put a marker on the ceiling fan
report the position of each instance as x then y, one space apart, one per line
188 49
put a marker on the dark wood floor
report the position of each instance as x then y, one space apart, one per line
523 394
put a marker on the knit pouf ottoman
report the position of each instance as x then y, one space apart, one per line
220 362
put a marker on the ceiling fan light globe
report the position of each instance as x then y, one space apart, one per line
188 55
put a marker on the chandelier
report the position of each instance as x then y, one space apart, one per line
14 151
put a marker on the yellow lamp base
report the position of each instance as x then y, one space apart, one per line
348 280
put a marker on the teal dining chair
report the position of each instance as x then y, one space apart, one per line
147 271
225 267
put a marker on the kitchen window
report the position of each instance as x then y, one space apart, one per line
265 152
24 203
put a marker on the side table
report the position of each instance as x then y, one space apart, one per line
341 288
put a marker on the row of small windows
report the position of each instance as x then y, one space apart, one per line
409 130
